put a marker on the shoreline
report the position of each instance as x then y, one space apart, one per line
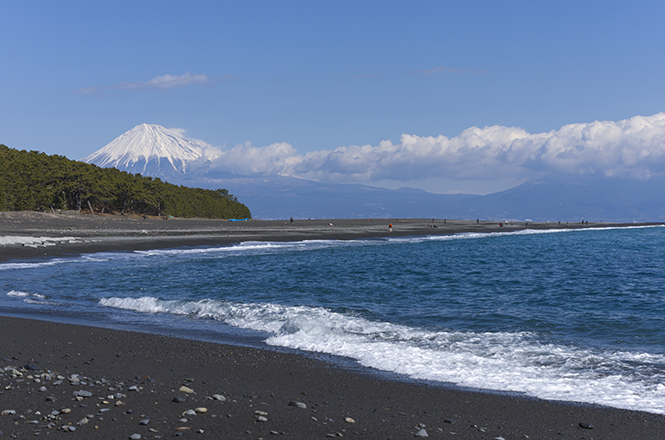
73 234
113 384
135 376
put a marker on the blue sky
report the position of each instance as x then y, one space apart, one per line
311 78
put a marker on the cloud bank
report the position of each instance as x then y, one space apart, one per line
163 82
631 148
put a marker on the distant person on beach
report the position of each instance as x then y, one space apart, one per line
390 227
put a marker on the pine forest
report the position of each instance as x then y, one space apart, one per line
35 181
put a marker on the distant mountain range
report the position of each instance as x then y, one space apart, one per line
155 151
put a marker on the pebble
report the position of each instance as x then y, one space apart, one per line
585 425
69 428
262 419
178 399
82 393
422 433
144 422
135 437
8 412
184 389
349 420
189 412
219 397
298 405
201 410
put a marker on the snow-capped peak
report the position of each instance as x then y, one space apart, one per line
151 150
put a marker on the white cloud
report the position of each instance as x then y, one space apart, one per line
633 148
163 82
170 81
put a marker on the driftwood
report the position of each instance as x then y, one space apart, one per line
90 206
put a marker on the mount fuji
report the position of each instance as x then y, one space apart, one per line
150 150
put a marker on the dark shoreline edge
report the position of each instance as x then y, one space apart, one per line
253 379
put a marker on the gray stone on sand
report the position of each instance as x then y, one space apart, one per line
422 433
298 405
82 393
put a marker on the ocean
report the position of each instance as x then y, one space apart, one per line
568 315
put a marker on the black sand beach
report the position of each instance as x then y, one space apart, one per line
111 233
69 381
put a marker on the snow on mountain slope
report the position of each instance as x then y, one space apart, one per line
150 150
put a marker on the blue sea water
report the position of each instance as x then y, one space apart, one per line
572 315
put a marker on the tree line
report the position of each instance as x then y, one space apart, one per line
35 181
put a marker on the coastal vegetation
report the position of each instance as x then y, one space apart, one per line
35 181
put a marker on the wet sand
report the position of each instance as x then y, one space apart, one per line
69 381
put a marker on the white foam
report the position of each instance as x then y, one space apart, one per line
28 295
17 293
517 362
36 264
36 241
